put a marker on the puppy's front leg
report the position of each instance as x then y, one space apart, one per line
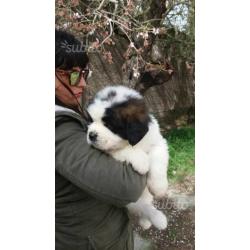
157 178
137 157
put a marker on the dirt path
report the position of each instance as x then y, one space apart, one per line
179 207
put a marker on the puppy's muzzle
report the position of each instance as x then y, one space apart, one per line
92 136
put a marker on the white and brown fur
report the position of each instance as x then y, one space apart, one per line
123 128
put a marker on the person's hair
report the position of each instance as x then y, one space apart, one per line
70 52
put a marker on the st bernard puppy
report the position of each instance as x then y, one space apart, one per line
123 128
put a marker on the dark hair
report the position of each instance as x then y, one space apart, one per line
69 51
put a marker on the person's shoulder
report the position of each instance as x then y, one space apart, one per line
63 115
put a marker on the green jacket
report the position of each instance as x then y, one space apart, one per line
91 191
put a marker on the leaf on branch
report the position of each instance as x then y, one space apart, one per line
74 3
130 6
61 13
127 54
109 41
108 56
76 15
77 26
60 3
95 45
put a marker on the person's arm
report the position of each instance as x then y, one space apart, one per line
92 170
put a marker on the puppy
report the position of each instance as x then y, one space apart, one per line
123 128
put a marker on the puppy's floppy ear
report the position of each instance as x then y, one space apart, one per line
136 131
136 117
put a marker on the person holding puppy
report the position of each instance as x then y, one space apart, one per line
91 188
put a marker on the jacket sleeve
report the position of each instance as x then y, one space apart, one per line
92 170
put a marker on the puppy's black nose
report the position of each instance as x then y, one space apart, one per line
92 136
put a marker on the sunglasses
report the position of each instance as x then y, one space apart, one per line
74 75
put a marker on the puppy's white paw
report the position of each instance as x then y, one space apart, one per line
140 162
144 223
159 220
158 187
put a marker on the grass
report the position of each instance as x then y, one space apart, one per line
182 151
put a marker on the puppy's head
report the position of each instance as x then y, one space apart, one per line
118 124
128 119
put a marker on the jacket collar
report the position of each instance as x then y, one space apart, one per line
60 108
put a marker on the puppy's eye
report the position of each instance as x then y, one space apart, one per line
108 126
106 122
89 122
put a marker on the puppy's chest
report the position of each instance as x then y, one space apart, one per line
146 147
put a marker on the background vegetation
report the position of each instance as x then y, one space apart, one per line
182 153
